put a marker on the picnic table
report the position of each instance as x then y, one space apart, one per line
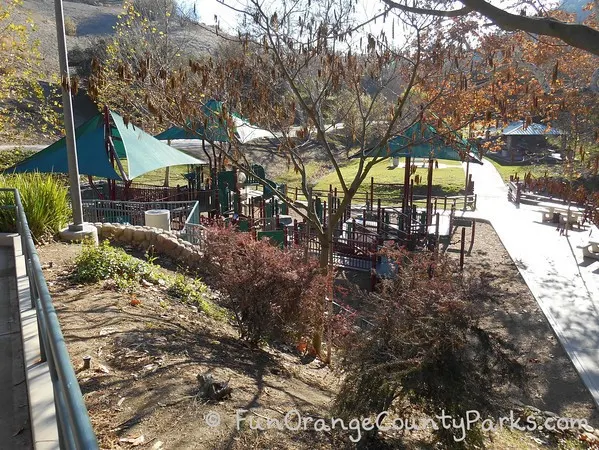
571 215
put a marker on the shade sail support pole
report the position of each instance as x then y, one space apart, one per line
467 181
69 123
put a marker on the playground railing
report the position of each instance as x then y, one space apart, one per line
351 249
133 213
137 192
365 199
74 426
193 230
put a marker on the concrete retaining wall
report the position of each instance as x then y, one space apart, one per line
161 242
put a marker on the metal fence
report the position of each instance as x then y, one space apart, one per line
133 213
145 193
74 426
193 230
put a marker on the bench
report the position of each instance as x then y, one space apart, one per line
591 249
575 218
546 215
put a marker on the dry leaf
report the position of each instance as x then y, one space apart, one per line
134 441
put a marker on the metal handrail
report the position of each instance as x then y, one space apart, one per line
74 426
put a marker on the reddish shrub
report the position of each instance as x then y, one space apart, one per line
274 293
425 348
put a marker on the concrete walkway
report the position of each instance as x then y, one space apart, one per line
563 283
15 432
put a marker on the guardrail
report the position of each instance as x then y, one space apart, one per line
74 427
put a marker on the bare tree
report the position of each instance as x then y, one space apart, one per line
300 56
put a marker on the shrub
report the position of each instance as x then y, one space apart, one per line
273 293
195 292
103 262
426 349
70 27
45 202
9 158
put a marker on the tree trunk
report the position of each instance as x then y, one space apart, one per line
323 258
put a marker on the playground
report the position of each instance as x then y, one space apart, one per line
410 199
400 208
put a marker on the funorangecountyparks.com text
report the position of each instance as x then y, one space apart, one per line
294 420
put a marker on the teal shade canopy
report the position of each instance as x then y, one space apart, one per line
425 141
91 154
143 152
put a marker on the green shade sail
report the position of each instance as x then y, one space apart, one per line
424 141
142 151
91 154
215 129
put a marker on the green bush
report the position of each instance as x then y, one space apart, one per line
45 201
9 158
195 292
103 262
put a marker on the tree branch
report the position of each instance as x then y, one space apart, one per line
428 12
576 35
579 36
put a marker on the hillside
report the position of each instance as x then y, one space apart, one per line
96 21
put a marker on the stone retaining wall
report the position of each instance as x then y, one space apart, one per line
162 242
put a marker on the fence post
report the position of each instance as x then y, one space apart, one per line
373 271
437 216
378 216
462 246
371 192
472 237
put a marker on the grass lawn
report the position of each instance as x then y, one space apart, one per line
313 171
156 177
446 181
537 170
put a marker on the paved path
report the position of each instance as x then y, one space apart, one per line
14 409
564 285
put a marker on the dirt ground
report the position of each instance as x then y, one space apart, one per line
146 359
142 388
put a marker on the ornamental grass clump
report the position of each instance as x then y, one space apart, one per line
45 202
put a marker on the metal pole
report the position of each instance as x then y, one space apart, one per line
330 273
467 173
69 123
429 190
